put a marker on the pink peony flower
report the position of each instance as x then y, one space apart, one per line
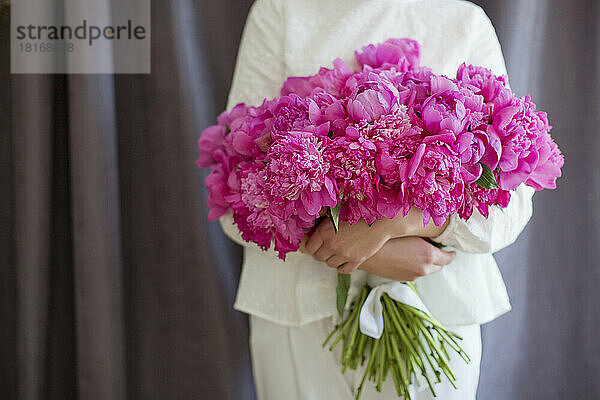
210 140
474 148
451 108
218 184
247 130
482 81
548 168
250 204
418 84
519 128
396 139
289 233
481 199
289 113
378 141
331 80
403 54
433 182
353 167
256 211
325 108
372 96
298 174
445 113
227 117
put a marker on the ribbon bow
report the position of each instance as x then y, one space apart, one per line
371 317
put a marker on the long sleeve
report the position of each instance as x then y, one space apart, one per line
503 226
260 67
259 71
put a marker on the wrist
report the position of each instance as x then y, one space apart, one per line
411 224
384 228
406 225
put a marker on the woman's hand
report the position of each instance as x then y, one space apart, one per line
406 259
412 225
350 246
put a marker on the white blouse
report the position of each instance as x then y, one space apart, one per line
291 37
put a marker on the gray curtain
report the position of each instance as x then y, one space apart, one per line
114 285
548 347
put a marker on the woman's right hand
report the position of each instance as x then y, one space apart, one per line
406 259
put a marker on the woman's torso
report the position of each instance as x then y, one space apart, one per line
302 290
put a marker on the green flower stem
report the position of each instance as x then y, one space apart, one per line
395 317
380 376
355 332
437 354
345 325
441 358
336 329
443 347
403 379
388 352
369 366
425 352
428 353
443 332
443 365
412 342
362 342
429 337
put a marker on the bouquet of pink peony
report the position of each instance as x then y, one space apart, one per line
372 144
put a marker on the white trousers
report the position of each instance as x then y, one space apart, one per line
291 364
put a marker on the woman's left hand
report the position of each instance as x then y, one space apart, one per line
349 247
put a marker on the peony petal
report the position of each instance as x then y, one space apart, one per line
511 180
243 143
311 201
470 173
314 112
416 160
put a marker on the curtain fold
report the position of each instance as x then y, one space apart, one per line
96 237
32 147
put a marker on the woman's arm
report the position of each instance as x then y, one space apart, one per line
401 259
406 259
260 66
503 225
351 246
501 228
259 71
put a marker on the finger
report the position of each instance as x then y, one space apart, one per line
326 226
431 269
323 254
314 242
302 245
336 261
441 257
348 268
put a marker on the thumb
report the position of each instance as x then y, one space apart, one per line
442 257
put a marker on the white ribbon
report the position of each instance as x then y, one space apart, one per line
371 317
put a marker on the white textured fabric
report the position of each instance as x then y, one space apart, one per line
290 363
289 37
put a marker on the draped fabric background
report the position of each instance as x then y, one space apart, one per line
113 285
